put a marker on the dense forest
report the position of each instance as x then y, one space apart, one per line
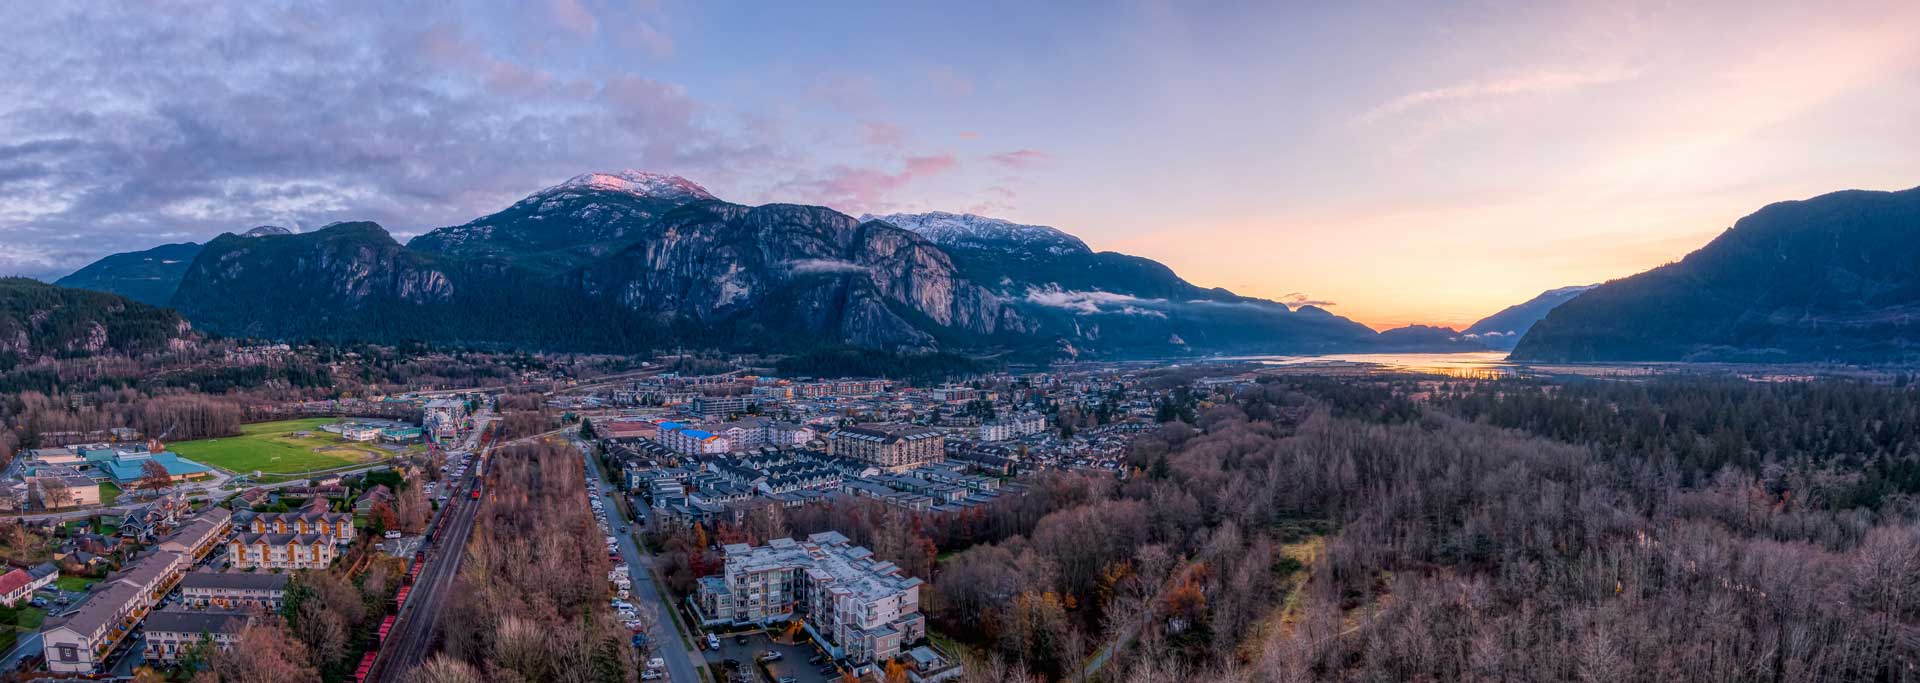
1833 444
1308 529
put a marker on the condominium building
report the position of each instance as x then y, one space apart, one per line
859 387
171 631
710 407
335 525
197 538
441 418
854 605
281 551
895 448
1013 426
79 641
687 440
264 591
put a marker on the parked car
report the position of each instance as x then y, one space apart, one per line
713 641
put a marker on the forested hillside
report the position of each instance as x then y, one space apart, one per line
38 320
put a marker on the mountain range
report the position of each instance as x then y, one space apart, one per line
630 261
1505 328
1834 278
633 260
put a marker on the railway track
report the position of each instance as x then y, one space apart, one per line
416 627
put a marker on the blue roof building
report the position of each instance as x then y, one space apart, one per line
126 465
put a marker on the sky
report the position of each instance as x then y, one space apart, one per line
1399 163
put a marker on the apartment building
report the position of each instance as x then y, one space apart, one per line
1013 426
281 551
264 591
859 387
711 407
441 418
892 447
854 605
686 440
335 525
171 631
198 537
789 434
79 641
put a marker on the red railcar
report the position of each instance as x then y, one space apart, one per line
366 666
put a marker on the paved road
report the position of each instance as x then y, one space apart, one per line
415 631
28 646
680 664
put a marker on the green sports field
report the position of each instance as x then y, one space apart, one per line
271 447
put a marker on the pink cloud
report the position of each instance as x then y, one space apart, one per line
573 16
1527 83
931 165
646 37
1023 158
448 44
859 190
969 135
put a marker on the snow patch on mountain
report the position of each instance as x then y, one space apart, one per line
636 183
267 231
965 229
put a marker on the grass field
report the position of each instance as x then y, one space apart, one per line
271 447
109 492
73 584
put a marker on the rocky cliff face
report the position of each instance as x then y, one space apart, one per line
343 266
570 224
630 261
797 269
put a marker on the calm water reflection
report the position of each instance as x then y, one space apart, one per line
1471 365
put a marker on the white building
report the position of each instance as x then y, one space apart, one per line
854 605
440 418
1013 426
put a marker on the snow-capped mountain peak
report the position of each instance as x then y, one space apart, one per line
267 231
637 183
965 229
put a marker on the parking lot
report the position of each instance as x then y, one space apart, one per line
792 662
